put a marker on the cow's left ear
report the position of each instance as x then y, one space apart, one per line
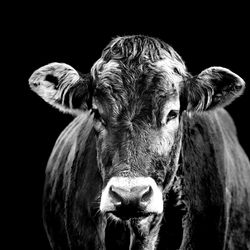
212 88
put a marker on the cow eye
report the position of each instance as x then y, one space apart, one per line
103 122
99 117
171 115
176 71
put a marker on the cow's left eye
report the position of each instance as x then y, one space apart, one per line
171 115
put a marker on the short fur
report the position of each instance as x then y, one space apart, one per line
215 189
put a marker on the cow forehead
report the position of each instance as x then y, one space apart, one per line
137 73
167 65
161 75
136 52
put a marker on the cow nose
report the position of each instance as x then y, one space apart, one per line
137 196
131 197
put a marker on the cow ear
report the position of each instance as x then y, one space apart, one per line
63 87
212 88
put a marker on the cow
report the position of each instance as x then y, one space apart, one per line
151 159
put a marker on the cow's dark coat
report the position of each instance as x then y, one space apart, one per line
214 173
207 205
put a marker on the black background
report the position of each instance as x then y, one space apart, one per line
204 36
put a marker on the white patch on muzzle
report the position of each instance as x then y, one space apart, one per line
155 203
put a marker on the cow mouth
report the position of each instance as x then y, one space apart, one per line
125 214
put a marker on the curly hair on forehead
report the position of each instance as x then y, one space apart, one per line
128 79
138 53
138 49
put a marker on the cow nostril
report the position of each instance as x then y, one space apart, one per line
116 196
146 194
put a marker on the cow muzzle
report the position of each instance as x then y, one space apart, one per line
127 197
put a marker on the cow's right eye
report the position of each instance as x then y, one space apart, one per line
100 121
103 122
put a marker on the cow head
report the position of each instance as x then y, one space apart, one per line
137 92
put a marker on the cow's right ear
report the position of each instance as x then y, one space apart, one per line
63 87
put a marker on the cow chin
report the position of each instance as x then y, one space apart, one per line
131 197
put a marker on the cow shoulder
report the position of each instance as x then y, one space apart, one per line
65 148
59 169
203 174
71 183
216 173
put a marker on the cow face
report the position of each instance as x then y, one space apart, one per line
137 91
137 100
